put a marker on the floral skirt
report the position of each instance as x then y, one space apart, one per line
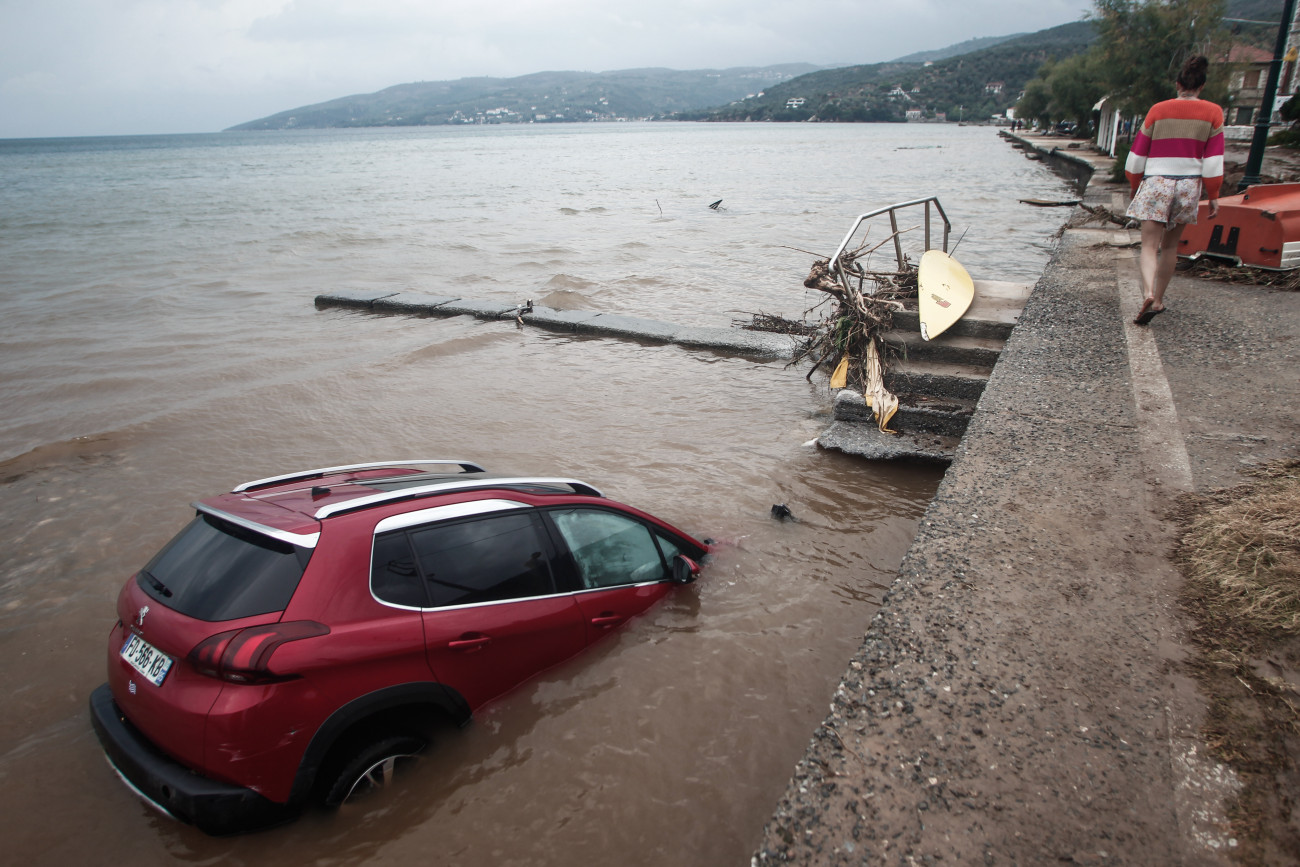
1166 200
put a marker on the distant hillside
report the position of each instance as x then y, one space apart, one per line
540 97
970 86
1261 35
956 50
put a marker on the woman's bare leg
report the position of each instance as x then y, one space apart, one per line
1168 261
1157 262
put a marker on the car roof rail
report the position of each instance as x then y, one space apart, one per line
447 485
305 475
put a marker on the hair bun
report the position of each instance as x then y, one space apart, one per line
1192 76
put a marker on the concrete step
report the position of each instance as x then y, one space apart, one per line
993 313
934 415
943 416
936 379
938 382
946 348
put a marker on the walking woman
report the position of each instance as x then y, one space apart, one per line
1178 151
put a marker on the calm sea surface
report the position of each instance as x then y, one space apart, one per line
158 343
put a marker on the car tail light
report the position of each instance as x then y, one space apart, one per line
243 655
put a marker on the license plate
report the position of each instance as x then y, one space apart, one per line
151 662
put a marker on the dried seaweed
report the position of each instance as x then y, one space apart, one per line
1209 269
1242 553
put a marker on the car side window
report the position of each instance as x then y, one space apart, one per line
483 560
393 576
610 549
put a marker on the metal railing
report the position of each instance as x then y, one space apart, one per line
893 225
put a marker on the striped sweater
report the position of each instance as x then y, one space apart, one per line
1179 138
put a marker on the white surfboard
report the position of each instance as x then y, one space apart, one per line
945 292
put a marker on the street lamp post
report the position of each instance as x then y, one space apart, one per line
1256 159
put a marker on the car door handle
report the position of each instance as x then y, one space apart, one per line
606 620
469 644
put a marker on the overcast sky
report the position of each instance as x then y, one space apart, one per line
119 67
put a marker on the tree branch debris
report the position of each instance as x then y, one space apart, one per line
845 327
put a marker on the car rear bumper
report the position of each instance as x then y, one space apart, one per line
213 807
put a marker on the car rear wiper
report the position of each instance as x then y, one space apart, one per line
156 584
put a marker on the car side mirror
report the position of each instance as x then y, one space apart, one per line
684 569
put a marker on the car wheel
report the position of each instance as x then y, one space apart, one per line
372 768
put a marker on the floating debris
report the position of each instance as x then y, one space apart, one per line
774 324
1050 203
520 310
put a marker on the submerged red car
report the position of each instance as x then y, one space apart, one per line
299 637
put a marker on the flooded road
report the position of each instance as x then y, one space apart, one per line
159 344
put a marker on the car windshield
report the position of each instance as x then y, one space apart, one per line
215 571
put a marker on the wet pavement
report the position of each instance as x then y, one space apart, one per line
1019 698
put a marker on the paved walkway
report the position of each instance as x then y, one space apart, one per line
1020 698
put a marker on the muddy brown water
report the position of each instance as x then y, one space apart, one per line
667 744
159 344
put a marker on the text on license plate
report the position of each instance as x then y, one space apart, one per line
147 659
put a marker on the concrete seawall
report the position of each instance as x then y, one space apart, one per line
1073 161
1020 697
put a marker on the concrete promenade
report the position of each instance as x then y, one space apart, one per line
1021 698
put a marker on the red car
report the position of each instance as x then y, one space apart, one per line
298 638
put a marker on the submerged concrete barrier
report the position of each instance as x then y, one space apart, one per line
759 344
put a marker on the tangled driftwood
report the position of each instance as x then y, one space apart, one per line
848 333
1095 214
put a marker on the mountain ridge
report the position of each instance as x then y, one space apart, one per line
947 80
975 85
550 96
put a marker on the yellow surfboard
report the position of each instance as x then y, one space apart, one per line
945 292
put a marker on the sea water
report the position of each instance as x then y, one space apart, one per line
159 343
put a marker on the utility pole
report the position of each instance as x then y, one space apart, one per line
1256 159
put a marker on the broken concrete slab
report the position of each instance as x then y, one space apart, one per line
618 325
866 441
561 320
477 308
362 298
763 343
742 342
413 302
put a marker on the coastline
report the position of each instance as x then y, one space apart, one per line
1023 695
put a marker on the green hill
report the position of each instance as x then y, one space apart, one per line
974 85
540 97
954 50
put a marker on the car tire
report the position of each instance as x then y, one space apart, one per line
372 768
